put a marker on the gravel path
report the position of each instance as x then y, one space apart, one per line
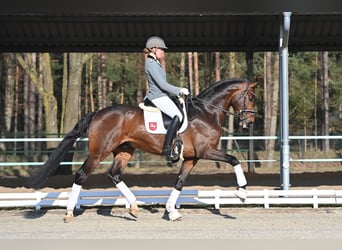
197 223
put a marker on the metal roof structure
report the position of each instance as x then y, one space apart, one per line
108 26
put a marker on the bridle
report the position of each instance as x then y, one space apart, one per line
244 110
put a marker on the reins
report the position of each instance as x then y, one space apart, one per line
241 112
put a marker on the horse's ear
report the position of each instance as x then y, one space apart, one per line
253 84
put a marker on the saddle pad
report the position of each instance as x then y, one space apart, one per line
154 120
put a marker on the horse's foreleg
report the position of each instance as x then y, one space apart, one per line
120 161
171 202
241 191
217 155
171 205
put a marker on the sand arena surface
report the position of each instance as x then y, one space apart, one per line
200 223
197 223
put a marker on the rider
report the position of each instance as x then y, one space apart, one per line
160 89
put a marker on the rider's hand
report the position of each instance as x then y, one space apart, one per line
184 91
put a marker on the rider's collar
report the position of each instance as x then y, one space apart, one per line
151 55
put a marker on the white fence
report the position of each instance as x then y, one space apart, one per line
236 138
266 198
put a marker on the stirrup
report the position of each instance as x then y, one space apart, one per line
171 155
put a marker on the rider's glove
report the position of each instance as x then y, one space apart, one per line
184 91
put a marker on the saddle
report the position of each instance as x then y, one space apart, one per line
156 122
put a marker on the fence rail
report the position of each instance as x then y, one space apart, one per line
223 138
295 137
217 198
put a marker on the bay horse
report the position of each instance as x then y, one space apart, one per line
120 129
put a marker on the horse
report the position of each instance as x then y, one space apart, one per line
119 130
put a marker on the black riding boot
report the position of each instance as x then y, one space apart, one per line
171 132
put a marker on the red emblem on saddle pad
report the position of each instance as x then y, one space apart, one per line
152 125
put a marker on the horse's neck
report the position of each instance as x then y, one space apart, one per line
210 106
220 101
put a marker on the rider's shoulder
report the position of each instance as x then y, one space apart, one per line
152 60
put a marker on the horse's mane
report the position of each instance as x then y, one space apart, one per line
197 104
219 86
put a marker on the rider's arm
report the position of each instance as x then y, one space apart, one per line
158 76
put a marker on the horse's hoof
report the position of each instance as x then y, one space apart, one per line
133 211
241 193
68 218
175 215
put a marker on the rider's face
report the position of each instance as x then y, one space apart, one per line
160 53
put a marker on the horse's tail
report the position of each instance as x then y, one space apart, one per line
36 181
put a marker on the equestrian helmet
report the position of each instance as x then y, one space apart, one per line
155 42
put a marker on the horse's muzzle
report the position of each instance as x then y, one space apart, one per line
246 118
245 123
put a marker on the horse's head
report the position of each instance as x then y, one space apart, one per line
244 103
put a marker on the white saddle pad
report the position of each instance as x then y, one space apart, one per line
154 120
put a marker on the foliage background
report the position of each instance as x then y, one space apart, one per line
123 78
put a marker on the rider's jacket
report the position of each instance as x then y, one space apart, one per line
157 83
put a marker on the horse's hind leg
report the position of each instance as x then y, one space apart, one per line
80 177
120 162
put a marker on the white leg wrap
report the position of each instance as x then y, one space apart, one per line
73 197
240 176
171 202
126 192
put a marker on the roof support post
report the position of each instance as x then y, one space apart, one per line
284 102
251 164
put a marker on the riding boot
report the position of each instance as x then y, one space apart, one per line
171 132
